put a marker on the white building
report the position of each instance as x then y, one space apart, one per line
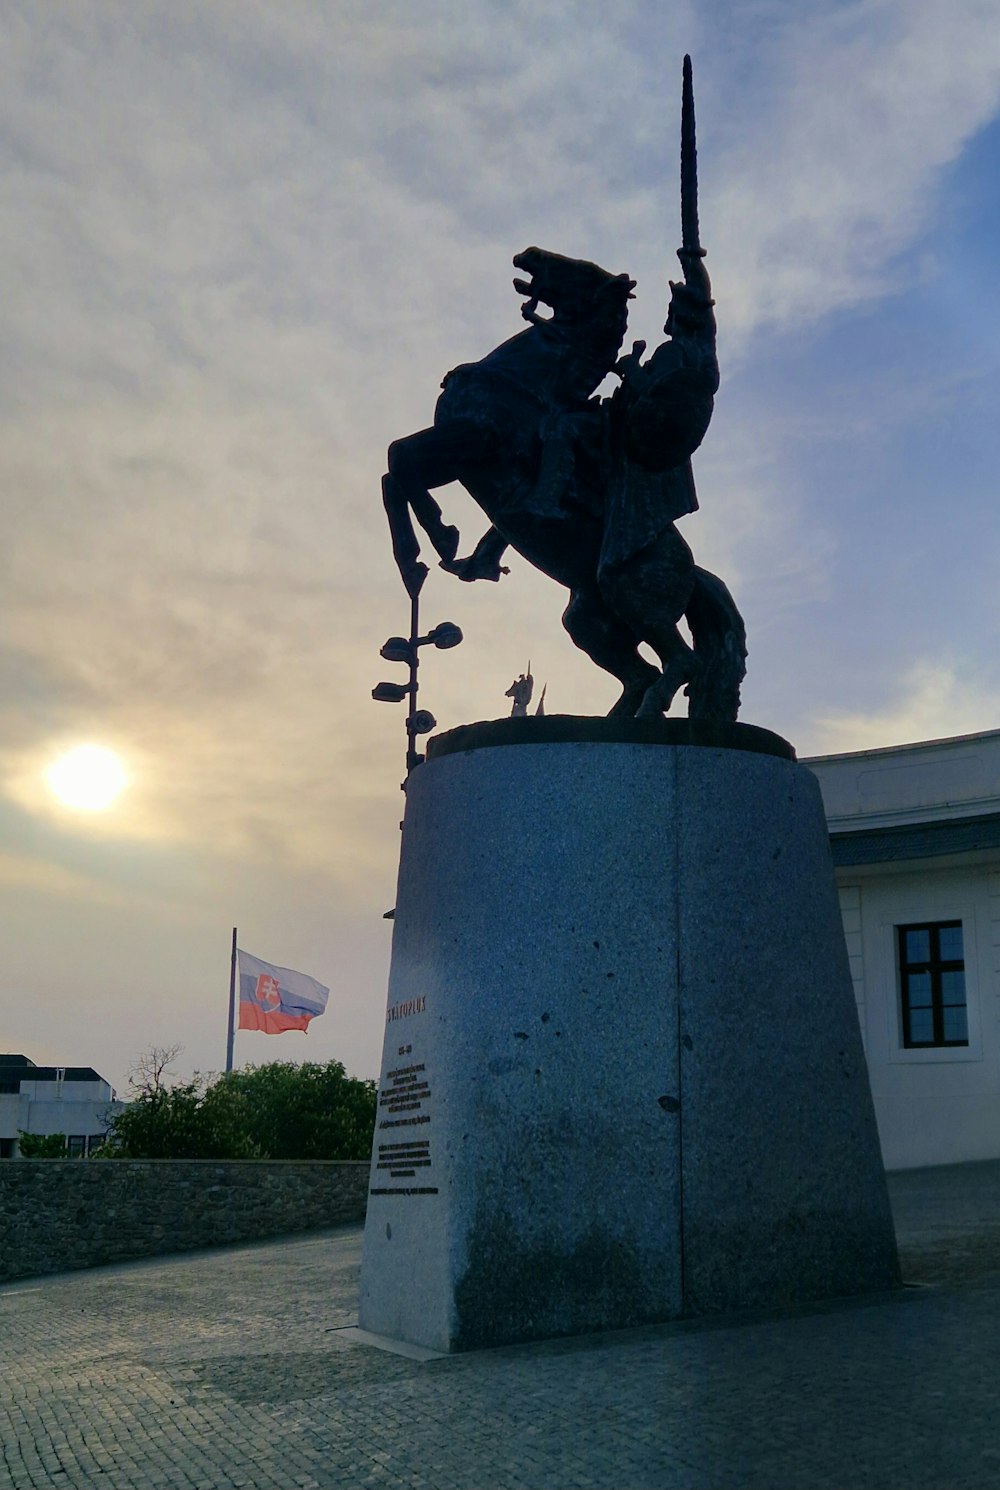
915 834
72 1100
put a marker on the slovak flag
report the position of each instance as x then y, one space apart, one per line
275 999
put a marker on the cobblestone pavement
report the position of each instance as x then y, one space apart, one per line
228 1368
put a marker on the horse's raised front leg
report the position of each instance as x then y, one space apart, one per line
609 642
432 457
405 547
484 561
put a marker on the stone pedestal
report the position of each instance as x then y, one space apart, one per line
623 1078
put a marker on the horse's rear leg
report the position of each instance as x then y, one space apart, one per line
650 593
679 665
609 642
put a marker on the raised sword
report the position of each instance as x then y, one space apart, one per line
690 243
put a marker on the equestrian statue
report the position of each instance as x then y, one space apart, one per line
588 489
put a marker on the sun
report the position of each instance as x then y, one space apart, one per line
89 778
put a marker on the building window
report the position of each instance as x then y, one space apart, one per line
932 983
77 1145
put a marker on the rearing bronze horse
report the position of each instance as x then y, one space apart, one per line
588 489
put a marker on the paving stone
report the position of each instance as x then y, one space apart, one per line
226 1369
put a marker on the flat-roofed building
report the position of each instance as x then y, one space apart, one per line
73 1100
915 835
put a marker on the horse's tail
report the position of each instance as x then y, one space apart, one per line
720 648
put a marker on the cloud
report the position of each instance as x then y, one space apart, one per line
251 241
245 242
933 699
828 159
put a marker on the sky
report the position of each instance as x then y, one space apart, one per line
243 242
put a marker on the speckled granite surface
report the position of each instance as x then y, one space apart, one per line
622 1077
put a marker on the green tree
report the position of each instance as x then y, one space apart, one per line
42 1145
310 1111
274 1111
172 1123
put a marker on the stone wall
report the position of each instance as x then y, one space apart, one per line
57 1214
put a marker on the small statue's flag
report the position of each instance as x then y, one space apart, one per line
276 999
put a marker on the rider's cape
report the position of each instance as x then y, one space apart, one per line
636 504
640 505
657 419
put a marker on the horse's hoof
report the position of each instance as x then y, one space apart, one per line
625 707
447 544
413 578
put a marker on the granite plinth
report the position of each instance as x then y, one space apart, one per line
623 1078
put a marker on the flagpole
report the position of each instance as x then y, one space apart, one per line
232 1005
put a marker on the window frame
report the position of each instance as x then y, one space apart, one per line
899 902
933 965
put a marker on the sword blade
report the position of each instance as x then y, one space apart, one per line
689 165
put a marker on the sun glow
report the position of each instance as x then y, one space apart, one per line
89 778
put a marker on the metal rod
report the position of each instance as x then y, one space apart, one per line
411 734
232 1006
